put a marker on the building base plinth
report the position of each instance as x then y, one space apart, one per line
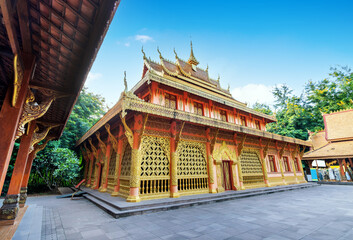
133 198
10 207
23 196
174 195
114 194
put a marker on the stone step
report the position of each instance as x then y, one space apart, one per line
104 200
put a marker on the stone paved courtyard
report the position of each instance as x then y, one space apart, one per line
324 212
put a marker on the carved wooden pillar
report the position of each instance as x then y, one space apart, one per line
10 115
174 140
95 164
104 160
239 149
209 151
90 170
280 160
106 169
10 205
134 141
263 154
293 153
117 145
31 157
89 164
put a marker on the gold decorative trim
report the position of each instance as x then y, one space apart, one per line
128 132
32 111
101 144
112 139
18 71
94 149
127 103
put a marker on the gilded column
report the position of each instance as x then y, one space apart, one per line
173 161
134 140
209 151
280 155
264 168
239 149
293 166
119 150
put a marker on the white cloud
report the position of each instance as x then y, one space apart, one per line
253 93
93 76
143 38
127 44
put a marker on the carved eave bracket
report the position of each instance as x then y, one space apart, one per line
178 135
213 142
38 148
241 145
37 137
265 149
143 128
101 144
18 71
112 139
281 151
128 132
94 150
301 154
32 111
88 152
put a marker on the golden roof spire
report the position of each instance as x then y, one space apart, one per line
192 60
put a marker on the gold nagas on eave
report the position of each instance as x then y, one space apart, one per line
32 111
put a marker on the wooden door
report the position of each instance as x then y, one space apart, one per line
227 175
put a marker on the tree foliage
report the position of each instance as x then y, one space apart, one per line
58 165
298 114
88 110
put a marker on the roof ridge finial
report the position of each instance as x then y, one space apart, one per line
176 55
192 60
228 88
160 54
144 55
218 78
207 68
125 82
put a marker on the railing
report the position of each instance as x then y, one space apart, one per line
154 186
192 184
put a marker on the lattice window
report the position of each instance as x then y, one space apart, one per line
223 115
251 167
155 160
191 161
112 164
192 167
126 162
155 153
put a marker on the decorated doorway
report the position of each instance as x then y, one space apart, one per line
227 175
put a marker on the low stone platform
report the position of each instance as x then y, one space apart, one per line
118 207
336 183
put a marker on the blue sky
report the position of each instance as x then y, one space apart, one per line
252 45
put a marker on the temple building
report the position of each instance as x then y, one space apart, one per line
333 148
178 132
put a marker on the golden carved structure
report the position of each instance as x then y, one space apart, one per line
192 167
18 71
32 111
252 168
39 136
155 164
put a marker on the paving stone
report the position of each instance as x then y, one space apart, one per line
300 214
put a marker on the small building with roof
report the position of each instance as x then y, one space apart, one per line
334 146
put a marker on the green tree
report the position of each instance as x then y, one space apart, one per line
88 110
58 165
261 107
